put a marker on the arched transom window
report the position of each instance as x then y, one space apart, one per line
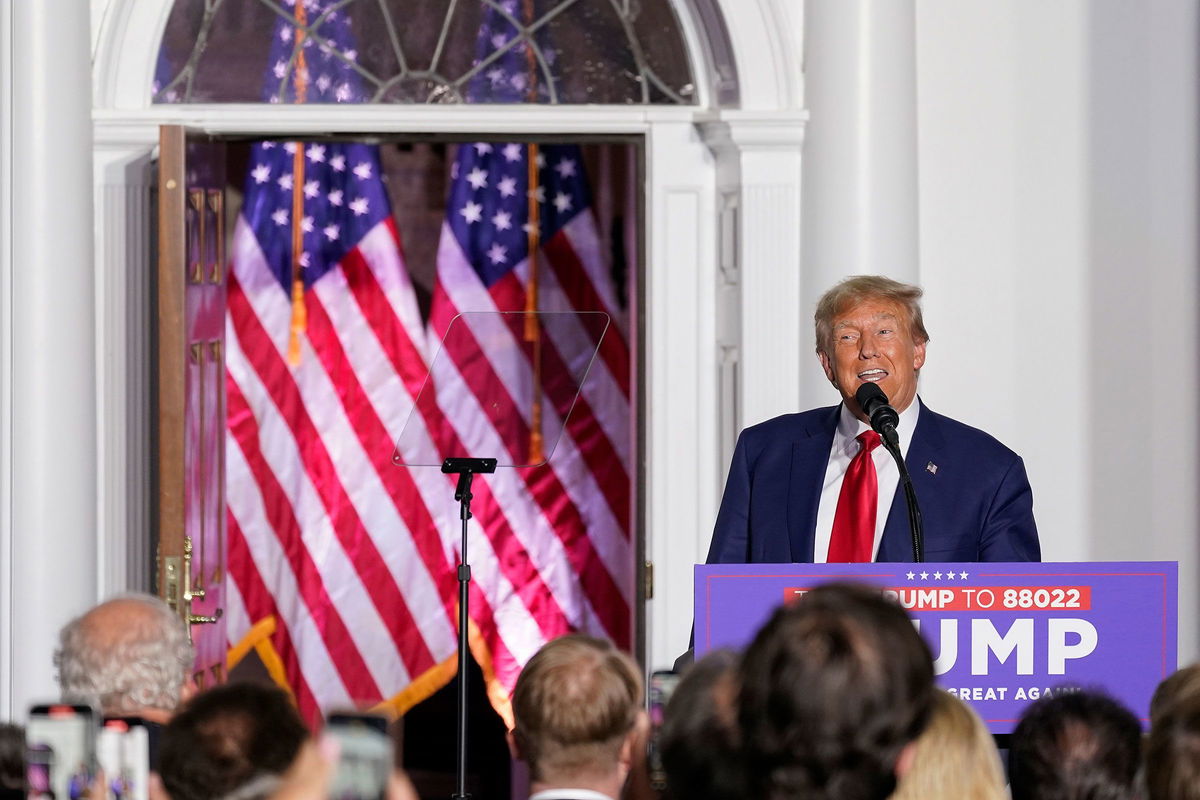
423 51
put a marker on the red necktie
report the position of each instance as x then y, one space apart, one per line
853 537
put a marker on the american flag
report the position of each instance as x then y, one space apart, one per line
330 541
556 551
350 557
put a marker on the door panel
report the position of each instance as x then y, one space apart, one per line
191 390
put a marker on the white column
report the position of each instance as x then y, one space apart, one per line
763 328
681 472
49 377
125 321
860 171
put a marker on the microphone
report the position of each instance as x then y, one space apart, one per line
884 419
874 404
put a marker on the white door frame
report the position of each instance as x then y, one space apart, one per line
722 271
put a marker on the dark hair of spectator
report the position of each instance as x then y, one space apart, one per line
1173 752
12 762
698 739
1178 685
1075 744
226 737
832 689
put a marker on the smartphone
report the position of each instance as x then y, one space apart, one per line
61 750
366 759
123 752
662 685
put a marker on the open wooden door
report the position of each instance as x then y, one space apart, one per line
191 390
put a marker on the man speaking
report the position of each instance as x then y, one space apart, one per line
817 487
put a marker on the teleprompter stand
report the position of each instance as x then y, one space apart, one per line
503 383
466 469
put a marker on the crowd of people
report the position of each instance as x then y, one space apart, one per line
833 700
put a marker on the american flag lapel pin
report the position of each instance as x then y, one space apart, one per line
931 468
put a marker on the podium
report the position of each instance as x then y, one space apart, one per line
1001 634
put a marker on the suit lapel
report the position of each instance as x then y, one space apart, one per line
927 440
810 457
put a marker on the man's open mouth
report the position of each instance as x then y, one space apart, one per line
872 375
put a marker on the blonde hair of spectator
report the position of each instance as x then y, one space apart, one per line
955 758
574 705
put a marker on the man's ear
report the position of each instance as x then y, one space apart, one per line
514 749
826 365
905 760
919 356
188 690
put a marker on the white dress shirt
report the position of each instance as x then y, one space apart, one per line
569 794
845 447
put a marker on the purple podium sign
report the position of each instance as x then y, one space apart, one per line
1001 634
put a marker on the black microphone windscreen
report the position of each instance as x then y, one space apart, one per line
870 396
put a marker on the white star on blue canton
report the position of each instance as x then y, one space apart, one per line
351 55
498 253
512 152
261 173
335 197
949 576
562 202
924 576
499 40
331 232
338 163
343 93
539 194
285 181
911 575
316 153
285 34
280 215
507 186
495 75
290 148
518 81
311 189
359 206
962 575
323 82
502 220
363 170
306 224
565 168
280 68
472 212
937 576
483 148
541 160
477 178
305 260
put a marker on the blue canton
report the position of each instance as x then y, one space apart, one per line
489 201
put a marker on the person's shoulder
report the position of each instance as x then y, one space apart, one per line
967 437
788 427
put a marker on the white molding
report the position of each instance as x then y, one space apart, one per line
123 330
7 465
682 480
758 162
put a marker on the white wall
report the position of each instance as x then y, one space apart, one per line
1057 177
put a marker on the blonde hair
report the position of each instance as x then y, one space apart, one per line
573 706
858 288
955 757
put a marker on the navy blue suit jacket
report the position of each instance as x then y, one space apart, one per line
975 498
